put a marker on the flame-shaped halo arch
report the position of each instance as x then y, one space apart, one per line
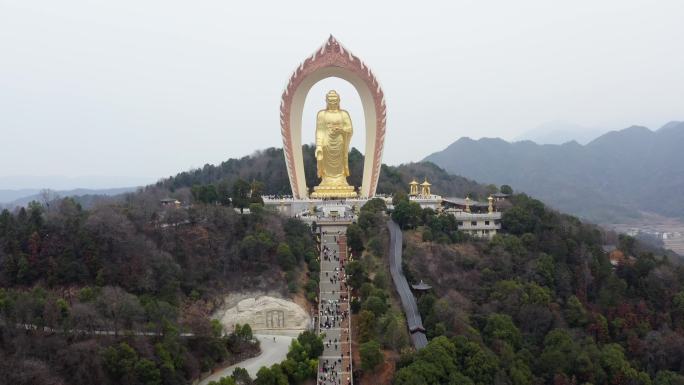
332 60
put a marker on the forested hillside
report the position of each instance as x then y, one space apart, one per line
129 266
268 167
610 179
80 288
542 303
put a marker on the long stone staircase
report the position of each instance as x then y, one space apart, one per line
334 315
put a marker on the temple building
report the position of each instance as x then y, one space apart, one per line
421 194
477 219
425 188
170 202
498 197
413 188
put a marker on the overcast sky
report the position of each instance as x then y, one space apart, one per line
150 88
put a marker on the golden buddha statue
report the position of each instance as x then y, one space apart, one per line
333 134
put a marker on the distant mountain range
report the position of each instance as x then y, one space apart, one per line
612 178
13 198
61 182
19 190
559 132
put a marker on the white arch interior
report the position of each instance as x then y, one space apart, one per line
296 114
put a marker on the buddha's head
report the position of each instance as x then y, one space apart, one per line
333 100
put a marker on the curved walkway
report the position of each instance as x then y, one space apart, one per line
408 302
271 353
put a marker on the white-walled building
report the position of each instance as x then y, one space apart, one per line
478 219
480 225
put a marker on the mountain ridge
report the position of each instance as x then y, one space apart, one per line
615 176
81 194
559 132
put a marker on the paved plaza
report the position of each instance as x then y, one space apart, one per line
334 366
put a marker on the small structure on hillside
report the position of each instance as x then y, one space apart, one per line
500 196
413 188
425 188
421 287
421 193
478 225
478 219
170 203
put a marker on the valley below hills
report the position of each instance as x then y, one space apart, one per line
630 180
668 232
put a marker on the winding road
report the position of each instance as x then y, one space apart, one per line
408 301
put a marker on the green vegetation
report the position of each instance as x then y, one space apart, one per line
300 365
541 303
123 357
506 189
380 325
435 227
371 355
268 168
135 267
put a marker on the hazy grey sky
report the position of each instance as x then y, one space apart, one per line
150 88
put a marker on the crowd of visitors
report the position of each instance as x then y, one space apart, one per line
335 364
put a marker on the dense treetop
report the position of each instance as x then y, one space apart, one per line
541 303
135 267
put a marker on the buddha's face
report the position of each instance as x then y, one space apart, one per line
333 101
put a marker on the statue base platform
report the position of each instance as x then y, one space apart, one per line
322 192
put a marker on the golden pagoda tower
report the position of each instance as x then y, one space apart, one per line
425 188
413 187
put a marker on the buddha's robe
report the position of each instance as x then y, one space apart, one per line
333 134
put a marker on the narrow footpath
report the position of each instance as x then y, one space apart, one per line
273 351
334 320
